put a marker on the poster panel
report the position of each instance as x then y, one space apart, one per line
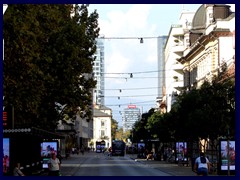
47 148
6 155
225 149
181 151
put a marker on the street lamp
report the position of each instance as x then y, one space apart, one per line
132 135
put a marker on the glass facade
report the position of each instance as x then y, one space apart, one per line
130 116
98 71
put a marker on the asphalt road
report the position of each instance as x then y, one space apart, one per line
96 164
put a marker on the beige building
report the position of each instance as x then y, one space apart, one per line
212 44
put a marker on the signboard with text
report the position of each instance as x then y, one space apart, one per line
132 106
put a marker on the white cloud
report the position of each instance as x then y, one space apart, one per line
137 16
128 55
116 63
130 23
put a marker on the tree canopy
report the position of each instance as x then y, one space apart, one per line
47 60
207 112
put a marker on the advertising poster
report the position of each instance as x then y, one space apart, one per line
181 150
98 147
141 147
225 149
47 148
6 155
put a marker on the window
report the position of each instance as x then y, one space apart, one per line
102 133
102 123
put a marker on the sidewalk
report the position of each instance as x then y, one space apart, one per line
170 168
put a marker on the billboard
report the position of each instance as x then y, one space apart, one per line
181 151
227 148
6 155
100 145
47 148
141 147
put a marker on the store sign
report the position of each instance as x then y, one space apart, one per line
4 118
131 106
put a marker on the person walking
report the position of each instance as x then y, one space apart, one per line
54 165
110 152
202 165
17 171
82 150
59 156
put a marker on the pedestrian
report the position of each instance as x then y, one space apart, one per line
82 150
17 171
73 150
202 165
54 165
77 150
59 156
110 151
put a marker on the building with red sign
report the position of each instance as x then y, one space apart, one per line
130 116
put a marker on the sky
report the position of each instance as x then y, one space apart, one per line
122 25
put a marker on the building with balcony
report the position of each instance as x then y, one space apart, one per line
177 42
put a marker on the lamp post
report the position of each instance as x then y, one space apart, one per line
132 141
149 139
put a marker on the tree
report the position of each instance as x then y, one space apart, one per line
48 58
119 134
140 129
159 127
207 112
114 127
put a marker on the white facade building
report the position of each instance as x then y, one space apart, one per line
177 42
102 117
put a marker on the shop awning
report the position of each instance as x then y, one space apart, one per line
35 132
